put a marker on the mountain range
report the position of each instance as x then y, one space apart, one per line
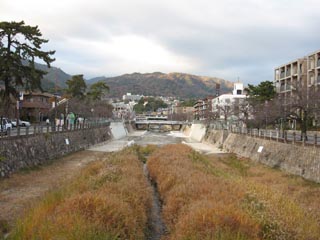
179 85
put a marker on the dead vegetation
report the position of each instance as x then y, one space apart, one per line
109 199
203 197
229 198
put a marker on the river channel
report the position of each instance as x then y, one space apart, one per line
156 138
156 226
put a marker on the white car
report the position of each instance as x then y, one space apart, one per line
21 123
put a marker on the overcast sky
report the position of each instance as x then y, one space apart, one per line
225 38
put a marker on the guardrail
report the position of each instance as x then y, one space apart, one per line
290 137
39 129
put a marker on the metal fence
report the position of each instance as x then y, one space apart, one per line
39 129
286 136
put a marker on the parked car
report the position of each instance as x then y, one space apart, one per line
21 123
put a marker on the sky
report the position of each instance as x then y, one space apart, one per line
229 39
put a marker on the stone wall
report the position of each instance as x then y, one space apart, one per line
28 151
298 160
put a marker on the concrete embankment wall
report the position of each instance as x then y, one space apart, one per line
118 130
298 160
28 151
197 132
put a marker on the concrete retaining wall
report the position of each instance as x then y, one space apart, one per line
298 160
197 132
118 130
28 151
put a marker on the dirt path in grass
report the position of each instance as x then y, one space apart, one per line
27 187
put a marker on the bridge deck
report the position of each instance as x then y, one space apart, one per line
161 122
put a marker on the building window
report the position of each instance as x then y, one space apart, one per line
288 86
288 72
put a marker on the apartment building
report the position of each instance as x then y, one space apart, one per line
303 72
202 108
313 67
298 83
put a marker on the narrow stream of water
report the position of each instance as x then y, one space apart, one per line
156 226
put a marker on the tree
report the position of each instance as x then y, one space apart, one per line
265 91
260 100
20 45
98 90
302 105
149 104
76 86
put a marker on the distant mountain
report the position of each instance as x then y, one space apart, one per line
54 77
96 79
180 85
160 84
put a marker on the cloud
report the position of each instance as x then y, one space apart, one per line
227 39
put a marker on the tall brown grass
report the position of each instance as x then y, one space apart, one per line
211 198
109 199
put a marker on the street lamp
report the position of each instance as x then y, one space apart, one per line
55 111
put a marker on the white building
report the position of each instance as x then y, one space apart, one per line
131 97
121 110
226 106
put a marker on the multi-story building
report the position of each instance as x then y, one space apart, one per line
36 106
313 67
301 73
202 108
227 106
298 84
291 75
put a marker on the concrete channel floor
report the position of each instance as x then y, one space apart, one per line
158 139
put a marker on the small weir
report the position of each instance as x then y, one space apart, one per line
156 226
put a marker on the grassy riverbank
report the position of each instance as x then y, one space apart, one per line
228 198
203 197
109 199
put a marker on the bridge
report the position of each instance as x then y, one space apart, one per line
158 125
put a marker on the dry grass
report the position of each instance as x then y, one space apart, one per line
229 198
109 199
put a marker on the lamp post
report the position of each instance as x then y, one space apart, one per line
19 99
92 111
55 112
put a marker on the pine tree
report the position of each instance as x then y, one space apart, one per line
20 46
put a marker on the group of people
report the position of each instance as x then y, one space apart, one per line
70 120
